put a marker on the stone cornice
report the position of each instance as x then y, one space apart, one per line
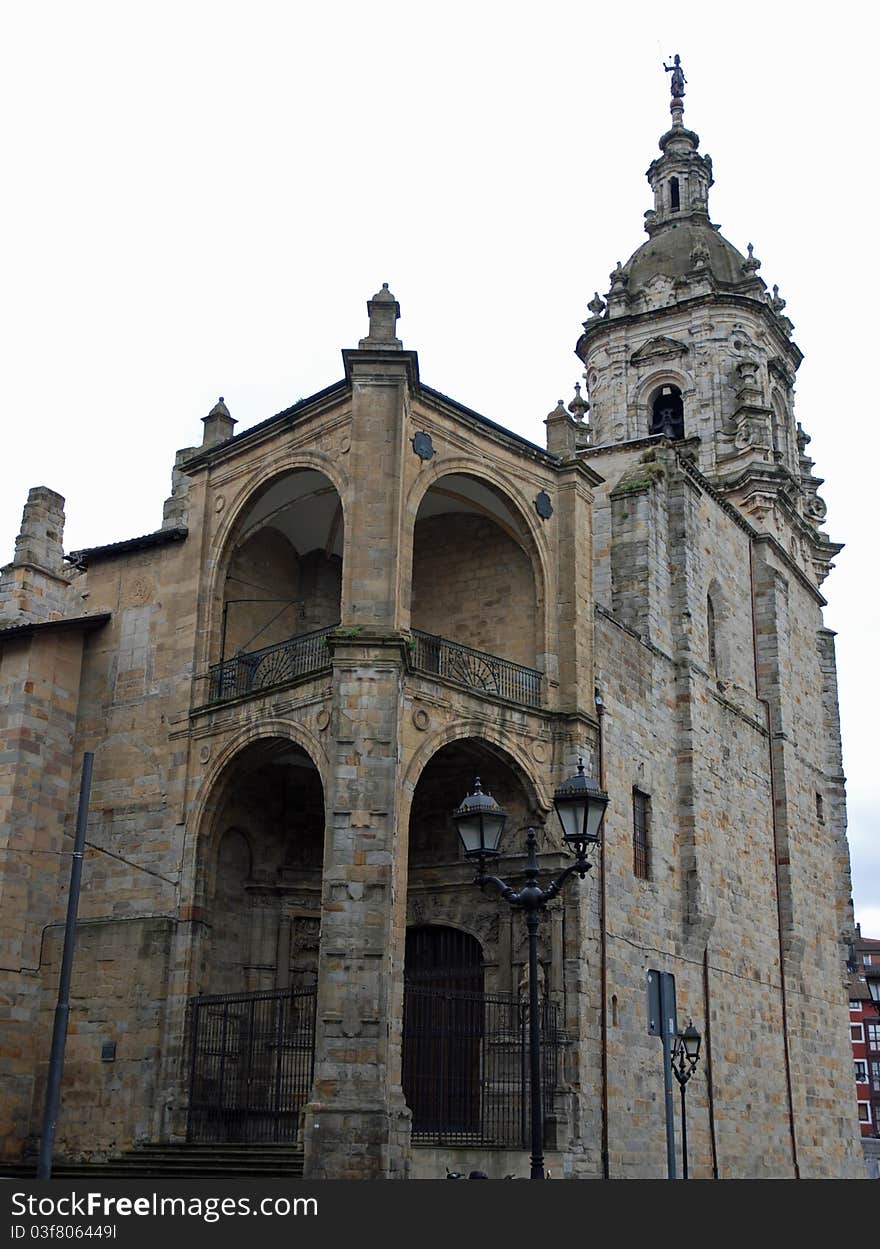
787 349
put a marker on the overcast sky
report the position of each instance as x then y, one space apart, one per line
200 198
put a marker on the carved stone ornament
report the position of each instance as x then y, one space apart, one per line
659 348
543 506
423 446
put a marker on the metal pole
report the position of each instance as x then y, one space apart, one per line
684 1134
535 1051
667 1097
62 1010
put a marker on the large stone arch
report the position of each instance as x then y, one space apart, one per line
478 565
259 868
440 891
279 558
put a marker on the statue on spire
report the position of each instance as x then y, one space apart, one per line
678 78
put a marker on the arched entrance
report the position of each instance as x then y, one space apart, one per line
442 1031
252 1029
464 1027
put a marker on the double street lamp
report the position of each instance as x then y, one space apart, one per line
580 805
685 1053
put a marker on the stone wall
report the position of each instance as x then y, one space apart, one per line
473 584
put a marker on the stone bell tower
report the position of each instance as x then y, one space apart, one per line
708 558
689 342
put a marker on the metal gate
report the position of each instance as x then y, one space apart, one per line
466 1066
252 1060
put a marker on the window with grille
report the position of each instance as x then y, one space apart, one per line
641 834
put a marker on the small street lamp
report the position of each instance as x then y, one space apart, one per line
873 984
580 805
685 1054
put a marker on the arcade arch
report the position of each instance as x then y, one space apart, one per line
282 571
262 870
475 574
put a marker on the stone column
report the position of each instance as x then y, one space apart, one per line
357 1123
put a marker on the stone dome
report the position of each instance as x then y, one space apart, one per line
673 252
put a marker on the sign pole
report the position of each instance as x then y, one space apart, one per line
62 1010
662 1022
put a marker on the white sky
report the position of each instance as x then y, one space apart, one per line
200 197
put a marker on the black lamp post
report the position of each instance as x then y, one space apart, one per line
684 1057
580 805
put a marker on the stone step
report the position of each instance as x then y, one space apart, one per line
177 1162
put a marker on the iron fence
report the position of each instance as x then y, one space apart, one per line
273 665
475 669
252 1061
466 1066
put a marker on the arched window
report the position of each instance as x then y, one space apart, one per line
667 412
674 200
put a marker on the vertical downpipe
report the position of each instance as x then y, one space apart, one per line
710 1087
603 969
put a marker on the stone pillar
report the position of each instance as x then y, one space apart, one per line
356 1125
574 616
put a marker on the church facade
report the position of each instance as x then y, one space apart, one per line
351 612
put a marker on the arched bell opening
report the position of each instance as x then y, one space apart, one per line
667 412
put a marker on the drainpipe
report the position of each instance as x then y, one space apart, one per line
603 956
784 994
710 1086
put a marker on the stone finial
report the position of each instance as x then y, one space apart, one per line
578 406
384 311
777 303
596 305
752 264
218 424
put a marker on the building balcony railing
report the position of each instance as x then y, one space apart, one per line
253 671
475 669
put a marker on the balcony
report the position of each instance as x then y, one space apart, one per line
476 670
254 671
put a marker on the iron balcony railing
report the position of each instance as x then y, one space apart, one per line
475 669
466 1066
253 671
273 665
251 1065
